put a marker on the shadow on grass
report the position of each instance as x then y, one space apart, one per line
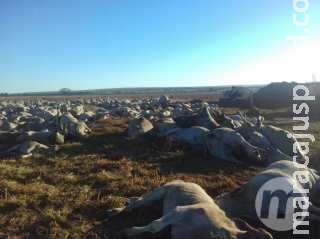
113 227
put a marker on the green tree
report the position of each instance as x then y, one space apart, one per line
65 91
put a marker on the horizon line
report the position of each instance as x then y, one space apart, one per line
129 88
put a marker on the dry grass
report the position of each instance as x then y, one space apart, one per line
67 195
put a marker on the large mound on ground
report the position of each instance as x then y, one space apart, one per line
280 95
275 95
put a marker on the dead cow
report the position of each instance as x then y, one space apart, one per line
191 213
138 127
193 137
229 145
241 202
72 127
25 149
203 119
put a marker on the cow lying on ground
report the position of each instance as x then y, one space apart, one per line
241 202
256 138
139 127
203 119
191 213
72 127
25 149
272 139
279 138
43 137
229 145
193 137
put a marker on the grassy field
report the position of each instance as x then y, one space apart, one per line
67 194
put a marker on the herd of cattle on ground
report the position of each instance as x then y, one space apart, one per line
28 127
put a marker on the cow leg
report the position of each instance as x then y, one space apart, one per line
136 202
156 225
148 199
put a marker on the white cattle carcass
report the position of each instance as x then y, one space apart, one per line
139 127
191 213
194 137
256 138
280 139
25 149
71 127
229 145
242 201
203 118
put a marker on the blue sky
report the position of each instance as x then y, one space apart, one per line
82 44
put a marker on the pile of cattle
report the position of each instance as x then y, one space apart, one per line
26 127
204 127
188 210
30 126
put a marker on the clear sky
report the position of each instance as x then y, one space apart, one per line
91 44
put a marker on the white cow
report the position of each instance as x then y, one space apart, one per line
44 137
229 145
25 149
241 202
203 118
279 138
72 127
256 138
194 136
191 213
139 127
